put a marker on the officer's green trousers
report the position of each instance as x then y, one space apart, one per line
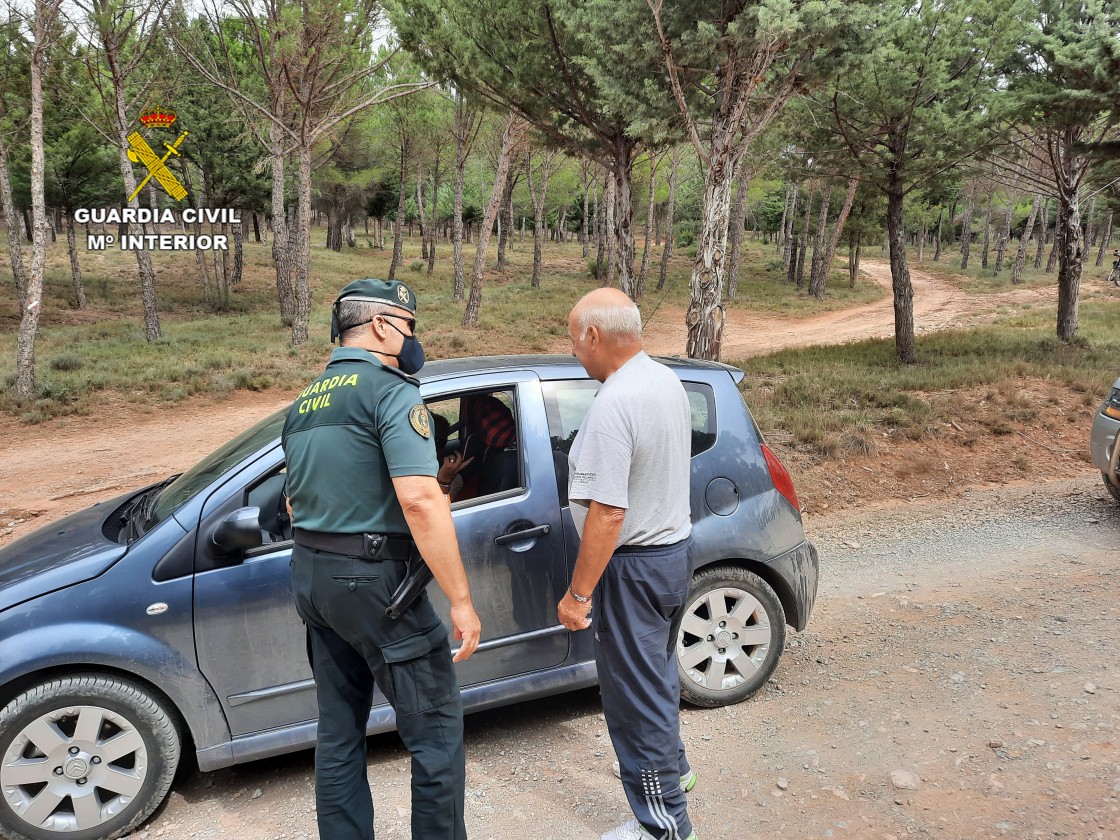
353 645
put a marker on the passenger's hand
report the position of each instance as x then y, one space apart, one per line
452 465
573 614
468 629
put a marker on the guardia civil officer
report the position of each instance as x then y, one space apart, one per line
363 490
629 491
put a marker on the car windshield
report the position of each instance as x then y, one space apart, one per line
217 463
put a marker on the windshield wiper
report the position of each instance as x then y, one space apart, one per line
150 498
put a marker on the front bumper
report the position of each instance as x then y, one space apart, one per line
798 569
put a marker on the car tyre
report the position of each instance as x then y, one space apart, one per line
1111 487
731 638
84 757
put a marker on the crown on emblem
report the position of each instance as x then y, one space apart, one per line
157 118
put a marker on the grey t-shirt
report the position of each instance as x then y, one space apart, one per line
632 452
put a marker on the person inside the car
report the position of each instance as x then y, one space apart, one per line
489 449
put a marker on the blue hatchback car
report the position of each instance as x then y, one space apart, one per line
163 620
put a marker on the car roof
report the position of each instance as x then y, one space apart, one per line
547 366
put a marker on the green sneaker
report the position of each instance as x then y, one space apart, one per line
688 783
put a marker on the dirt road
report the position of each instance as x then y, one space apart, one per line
958 680
938 305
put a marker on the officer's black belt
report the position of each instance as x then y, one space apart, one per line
366 546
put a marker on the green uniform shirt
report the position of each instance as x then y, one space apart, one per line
348 434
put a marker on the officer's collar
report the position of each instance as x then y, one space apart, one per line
358 354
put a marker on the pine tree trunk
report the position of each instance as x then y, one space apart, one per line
1021 251
538 191
458 285
433 219
610 230
987 233
804 249
795 250
779 240
1070 247
904 340
788 225
1052 260
937 242
75 268
670 209
281 235
640 286
923 232
738 221
301 322
837 231
512 133
1004 236
816 281
143 257
600 227
624 212
402 207
1106 238
505 225
1045 222
705 317
420 210
238 252
966 233
29 323
584 232
853 261
15 238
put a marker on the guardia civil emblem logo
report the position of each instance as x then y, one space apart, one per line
402 294
418 417
140 152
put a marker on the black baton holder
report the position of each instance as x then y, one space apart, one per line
416 580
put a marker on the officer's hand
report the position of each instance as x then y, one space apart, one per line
572 613
467 628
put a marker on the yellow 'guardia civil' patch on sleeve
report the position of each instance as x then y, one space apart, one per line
418 417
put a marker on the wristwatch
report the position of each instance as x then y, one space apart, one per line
582 599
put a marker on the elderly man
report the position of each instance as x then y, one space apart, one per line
629 493
363 488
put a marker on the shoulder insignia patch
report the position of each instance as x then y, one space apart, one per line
421 423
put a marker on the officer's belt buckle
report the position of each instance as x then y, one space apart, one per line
373 545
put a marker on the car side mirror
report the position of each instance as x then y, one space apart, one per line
239 530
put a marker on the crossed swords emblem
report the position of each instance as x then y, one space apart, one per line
140 152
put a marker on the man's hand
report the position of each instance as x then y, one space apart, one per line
467 628
452 465
572 613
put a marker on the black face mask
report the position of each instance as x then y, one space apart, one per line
411 357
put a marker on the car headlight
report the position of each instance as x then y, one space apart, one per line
1111 406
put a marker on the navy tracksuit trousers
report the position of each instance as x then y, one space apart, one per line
639 609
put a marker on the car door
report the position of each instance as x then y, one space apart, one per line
516 581
251 643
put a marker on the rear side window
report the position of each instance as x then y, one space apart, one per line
567 403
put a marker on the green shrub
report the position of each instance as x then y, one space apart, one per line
416 265
66 363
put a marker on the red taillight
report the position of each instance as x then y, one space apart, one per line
783 483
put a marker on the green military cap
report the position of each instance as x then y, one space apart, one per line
388 292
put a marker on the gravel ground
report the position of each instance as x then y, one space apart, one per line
959 679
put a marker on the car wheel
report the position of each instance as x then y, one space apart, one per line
731 638
1111 487
86 757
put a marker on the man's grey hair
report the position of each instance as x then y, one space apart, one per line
355 313
611 320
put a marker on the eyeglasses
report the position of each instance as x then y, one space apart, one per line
410 321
